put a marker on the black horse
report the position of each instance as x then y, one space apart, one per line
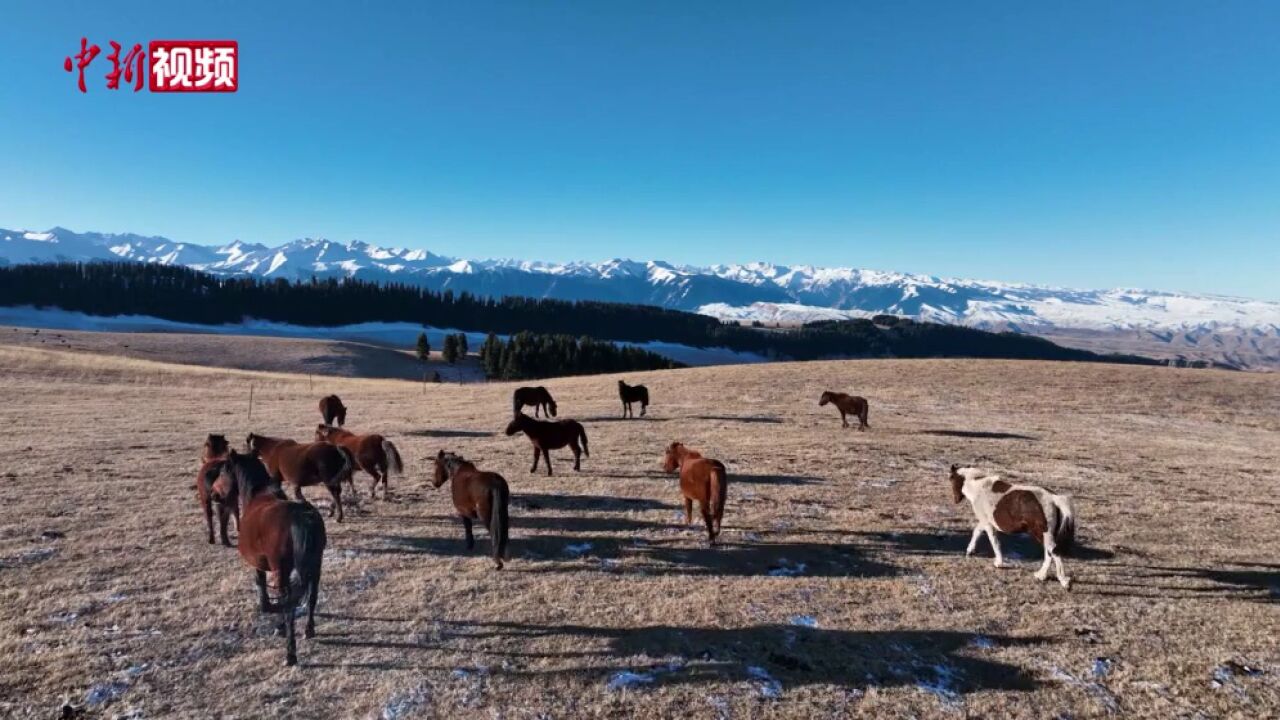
633 394
538 397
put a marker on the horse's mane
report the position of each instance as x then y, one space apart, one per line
250 476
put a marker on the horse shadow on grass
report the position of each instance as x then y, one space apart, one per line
751 479
954 543
762 419
979 435
774 657
619 418
1244 581
446 433
586 503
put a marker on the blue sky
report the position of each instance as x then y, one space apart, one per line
1088 144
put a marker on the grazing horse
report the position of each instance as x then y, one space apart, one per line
276 536
847 405
293 463
547 436
332 409
477 495
215 454
701 479
538 397
374 454
998 505
633 394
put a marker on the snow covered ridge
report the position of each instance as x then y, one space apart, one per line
753 291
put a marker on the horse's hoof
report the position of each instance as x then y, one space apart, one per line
291 660
309 633
999 564
1042 576
499 564
1066 583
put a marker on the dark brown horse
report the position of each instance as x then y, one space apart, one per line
479 496
847 405
701 479
538 397
633 394
374 454
547 436
298 465
215 454
276 536
333 411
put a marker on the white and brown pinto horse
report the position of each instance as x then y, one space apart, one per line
1004 507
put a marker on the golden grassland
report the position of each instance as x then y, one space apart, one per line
841 588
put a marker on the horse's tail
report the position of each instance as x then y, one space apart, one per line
307 541
582 433
394 463
348 467
644 396
499 497
1064 535
719 481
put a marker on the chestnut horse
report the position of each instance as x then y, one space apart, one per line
331 409
374 454
1048 518
538 397
276 536
215 453
547 436
701 479
477 495
319 463
633 394
847 405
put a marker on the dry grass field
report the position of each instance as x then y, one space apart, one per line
841 588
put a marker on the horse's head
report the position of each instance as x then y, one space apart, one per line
551 406
251 443
516 424
826 398
446 465
322 432
215 446
622 385
671 459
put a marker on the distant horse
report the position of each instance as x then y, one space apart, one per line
332 409
538 397
374 454
998 505
633 394
276 536
701 479
477 495
547 436
298 465
847 405
215 447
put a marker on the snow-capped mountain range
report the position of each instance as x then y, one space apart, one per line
1235 330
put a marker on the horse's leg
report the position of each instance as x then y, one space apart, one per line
995 546
313 597
466 527
546 455
291 645
973 541
1063 577
335 491
688 511
208 519
844 422
577 455
706 517
644 408
263 600
224 516
1043 573
536 454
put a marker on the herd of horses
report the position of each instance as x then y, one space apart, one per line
279 535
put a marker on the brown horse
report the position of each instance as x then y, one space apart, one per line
215 454
701 479
276 536
547 436
538 397
847 405
477 495
298 465
374 454
331 409
633 394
